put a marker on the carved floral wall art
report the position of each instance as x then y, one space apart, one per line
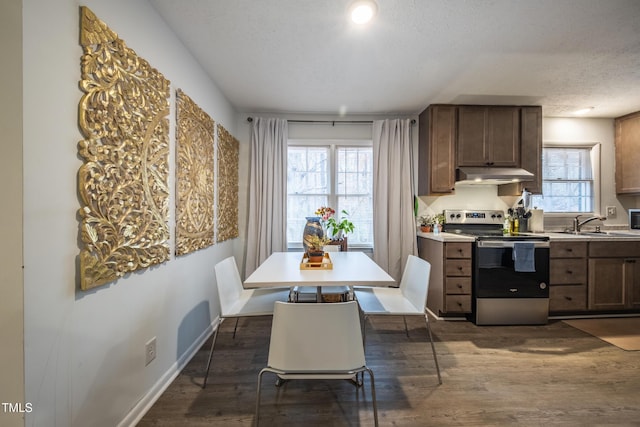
195 177
123 182
228 153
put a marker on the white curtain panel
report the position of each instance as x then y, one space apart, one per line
266 231
393 219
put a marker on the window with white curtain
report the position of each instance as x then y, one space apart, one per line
338 174
569 179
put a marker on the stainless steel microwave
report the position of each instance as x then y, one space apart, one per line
634 219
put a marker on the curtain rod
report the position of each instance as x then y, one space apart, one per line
332 122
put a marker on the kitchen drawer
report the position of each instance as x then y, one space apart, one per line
458 250
567 298
458 303
458 267
458 285
568 250
614 249
568 271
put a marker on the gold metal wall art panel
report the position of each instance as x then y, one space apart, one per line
195 177
123 181
228 155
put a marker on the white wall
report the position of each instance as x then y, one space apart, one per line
84 351
11 303
583 130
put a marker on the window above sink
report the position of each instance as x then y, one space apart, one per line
571 179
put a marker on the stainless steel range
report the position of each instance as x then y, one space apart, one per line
510 271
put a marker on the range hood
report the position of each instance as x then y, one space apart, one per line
492 175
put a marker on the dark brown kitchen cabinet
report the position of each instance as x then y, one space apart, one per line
530 152
567 277
614 275
488 136
627 141
436 150
451 271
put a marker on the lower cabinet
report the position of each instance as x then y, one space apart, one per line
614 276
584 277
451 271
567 277
614 283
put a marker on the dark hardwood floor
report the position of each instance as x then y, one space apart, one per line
492 376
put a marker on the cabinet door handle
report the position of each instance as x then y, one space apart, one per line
569 250
568 298
569 272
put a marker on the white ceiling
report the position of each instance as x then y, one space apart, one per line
304 56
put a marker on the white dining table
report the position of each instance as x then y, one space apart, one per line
349 269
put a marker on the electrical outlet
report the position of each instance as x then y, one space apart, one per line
611 211
150 351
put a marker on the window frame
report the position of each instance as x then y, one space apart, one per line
595 157
332 198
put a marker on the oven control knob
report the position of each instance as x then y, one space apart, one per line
543 285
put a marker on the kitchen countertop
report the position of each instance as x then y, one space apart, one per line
614 235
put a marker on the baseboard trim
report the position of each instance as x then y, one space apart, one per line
146 402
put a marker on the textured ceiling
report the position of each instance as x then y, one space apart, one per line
303 56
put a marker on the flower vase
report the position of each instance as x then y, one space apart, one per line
313 227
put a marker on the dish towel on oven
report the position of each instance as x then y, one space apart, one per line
524 256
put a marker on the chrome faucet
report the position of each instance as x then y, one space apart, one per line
577 224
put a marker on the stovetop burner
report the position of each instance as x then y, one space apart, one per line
483 225
487 235
514 236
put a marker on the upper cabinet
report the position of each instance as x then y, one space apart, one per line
627 141
436 168
488 136
453 136
530 152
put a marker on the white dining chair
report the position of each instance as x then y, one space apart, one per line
235 301
409 299
316 341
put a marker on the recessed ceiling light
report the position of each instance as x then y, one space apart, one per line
362 11
583 111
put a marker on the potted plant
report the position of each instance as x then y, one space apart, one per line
426 222
439 220
315 247
339 229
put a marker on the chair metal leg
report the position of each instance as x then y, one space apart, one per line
406 330
257 416
373 396
433 348
213 343
235 328
364 331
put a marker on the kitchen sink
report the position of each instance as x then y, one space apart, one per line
608 234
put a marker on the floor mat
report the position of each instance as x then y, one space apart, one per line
623 332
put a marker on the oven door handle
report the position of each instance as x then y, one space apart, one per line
508 243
